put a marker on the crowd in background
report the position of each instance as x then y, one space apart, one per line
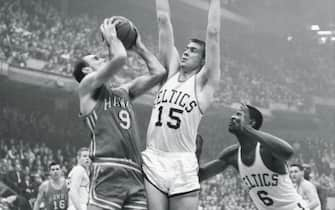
24 166
39 31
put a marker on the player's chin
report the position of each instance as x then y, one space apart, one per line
231 129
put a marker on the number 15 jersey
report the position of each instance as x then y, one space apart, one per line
175 116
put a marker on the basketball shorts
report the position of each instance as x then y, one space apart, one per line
171 173
117 184
83 207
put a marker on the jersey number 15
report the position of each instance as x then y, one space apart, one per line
174 121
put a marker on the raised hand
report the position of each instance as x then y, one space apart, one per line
108 29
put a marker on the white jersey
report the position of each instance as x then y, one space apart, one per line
269 190
77 172
308 192
175 117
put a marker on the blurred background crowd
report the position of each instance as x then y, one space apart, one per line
24 162
267 69
289 71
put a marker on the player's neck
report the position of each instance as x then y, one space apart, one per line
82 165
245 142
299 182
186 74
56 182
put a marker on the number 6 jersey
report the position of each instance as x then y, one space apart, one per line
112 126
269 190
175 117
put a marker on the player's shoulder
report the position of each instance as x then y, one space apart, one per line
308 185
44 186
76 170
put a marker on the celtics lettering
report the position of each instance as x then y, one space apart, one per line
176 97
261 180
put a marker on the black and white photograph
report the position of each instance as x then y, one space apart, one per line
167 104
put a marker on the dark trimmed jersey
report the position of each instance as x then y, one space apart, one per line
112 126
56 199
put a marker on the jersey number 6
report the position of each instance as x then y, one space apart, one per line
262 195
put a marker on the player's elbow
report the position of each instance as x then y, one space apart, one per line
159 75
288 152
163 18
213 31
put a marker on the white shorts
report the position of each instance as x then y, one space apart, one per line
172 173
83 207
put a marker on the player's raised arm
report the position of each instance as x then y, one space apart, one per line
156 71
210 74
119 56
168 54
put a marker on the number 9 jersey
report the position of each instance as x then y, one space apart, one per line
269 190
112 126
175 117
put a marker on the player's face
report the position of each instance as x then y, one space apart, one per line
192 57
236 122
84 159
55 171
295 174
94 61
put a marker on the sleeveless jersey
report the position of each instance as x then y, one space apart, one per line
175 117
112 126
84 184
304 187
269 190
56 199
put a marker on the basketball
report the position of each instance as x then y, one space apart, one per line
126 32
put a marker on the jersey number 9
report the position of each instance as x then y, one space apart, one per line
124 117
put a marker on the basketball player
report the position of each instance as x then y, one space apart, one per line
261 160
53 192
170 163
117 180
321 186
305 188
78 181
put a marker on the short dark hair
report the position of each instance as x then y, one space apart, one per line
53 163
78 73
301 168
256 115
82 150
202 44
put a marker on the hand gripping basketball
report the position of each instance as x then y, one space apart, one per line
125 30
108 30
